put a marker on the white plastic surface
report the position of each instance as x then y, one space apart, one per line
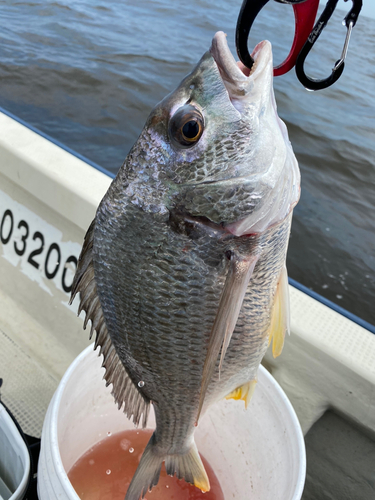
14 458
257 454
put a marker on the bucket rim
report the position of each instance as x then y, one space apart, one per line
55 448
265 375
296 426
18 439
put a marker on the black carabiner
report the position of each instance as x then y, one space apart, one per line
249 11
246 17
338 68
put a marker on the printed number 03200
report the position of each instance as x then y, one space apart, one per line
52 259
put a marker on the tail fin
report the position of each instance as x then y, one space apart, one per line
188 466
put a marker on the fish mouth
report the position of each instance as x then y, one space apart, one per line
237 78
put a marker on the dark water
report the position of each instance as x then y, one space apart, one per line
88 72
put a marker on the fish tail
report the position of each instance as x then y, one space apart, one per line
188 466
147 474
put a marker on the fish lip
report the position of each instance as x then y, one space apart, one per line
236 77
224 59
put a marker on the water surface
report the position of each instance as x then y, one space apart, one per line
88 72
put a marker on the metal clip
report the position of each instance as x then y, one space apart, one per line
304 13
338 68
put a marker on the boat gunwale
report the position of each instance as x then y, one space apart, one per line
296 284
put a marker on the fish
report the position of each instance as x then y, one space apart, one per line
182 272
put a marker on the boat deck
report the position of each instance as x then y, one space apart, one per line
28 386
327 368
340 460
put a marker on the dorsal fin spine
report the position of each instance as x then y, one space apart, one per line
136 405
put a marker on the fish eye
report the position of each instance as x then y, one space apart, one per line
186 126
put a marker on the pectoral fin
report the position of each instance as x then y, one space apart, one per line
280 318
244 392
237 280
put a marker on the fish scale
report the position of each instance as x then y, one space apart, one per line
167 327
186 255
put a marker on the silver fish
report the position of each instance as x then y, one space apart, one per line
182 272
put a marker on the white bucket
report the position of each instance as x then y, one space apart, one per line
259 454
14 459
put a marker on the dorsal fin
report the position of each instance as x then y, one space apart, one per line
124 390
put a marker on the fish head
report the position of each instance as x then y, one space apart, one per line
217 147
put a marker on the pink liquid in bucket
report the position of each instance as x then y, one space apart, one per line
105 472
256 454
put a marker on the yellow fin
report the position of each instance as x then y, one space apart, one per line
244 392
280 322
188 466
202 485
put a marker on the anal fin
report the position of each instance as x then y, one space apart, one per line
244 392
280 315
